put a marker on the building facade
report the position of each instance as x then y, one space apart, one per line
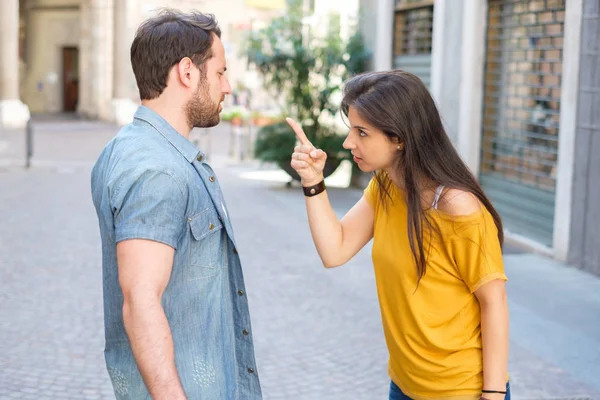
518 85
73 55
400 34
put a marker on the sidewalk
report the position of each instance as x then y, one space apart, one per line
555 328
318 332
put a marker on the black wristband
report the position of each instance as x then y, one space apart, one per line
493 391
314 190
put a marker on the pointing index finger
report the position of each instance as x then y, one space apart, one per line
299 132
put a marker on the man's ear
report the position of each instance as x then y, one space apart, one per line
184 70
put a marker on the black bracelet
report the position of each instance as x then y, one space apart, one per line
493 391
314 190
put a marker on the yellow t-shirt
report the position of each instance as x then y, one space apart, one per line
433 333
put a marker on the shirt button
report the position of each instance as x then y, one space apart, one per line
251 370
189 219
212 179
211 226
241 292
245 332
199 158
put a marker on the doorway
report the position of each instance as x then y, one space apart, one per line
70 62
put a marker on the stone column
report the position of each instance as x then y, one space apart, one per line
472 80
448 21
84 106
122 105
382 57
100 61
96 59
13 113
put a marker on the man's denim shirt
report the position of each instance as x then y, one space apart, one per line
152 183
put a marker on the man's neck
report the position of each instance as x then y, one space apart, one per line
172 112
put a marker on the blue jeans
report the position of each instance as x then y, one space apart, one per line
396 393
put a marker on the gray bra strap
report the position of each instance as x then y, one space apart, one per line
438 193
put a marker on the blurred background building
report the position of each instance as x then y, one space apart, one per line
72 56
517 83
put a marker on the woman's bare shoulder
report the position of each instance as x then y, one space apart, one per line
459 202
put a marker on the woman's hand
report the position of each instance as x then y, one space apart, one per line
306 160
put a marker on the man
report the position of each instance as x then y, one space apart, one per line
176 315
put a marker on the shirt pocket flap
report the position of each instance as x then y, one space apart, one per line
205 223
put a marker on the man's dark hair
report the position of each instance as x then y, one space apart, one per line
162 41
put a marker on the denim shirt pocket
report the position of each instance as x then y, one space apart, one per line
206 244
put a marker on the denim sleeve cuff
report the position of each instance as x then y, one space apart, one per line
149 232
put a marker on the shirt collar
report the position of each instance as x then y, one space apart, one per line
177 140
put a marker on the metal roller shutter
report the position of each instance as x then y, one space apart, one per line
413 25
521 113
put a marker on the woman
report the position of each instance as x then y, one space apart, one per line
437 249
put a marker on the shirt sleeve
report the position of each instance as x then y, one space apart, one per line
477 253
370 193
153 207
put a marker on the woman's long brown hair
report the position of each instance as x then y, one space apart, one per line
399 104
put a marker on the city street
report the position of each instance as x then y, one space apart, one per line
317 332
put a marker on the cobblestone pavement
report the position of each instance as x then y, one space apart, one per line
318 332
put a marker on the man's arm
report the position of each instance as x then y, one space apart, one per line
149 211
144 271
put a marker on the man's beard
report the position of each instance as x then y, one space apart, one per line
201 111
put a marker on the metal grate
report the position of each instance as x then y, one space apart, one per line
522 111
413 26
413 29
522 91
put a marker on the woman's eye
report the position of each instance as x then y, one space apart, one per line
361 133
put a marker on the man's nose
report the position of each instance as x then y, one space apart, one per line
226 88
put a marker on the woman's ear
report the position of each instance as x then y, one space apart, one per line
398 143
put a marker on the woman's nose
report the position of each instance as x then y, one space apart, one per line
348 145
